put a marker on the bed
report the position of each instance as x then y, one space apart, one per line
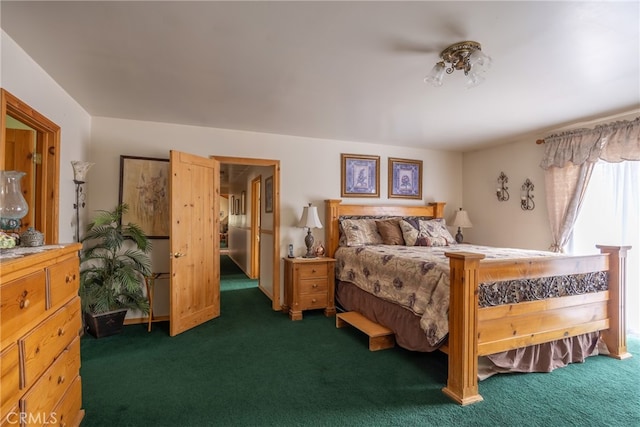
473 330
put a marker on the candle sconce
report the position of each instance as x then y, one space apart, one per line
501 191
526 198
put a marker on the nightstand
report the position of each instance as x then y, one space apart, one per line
309 284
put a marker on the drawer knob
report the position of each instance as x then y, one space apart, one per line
24 303
60 379
314 300
313 270
315 285
67 279
60 332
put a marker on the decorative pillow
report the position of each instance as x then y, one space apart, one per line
431 241
390 231
437 228
359 232
409 232
415 231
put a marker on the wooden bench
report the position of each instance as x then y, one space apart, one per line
380 337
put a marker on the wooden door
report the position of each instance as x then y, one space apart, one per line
194 244
21 155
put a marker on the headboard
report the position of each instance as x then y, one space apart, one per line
334 209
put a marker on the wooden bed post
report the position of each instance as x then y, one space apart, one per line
332 237
462 381
616 336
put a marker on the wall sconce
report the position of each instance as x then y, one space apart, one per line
526 198
80 170
501 191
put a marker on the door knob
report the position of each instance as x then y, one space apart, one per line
178 254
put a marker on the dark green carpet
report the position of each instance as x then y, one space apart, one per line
254 367
232 277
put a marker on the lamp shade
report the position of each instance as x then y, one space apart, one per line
80 169
462 220
309 218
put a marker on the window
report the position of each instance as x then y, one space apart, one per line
611 215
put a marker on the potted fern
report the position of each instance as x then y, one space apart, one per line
113 264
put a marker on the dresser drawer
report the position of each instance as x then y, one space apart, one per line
47 392
307 271
313 286
68 412
21 302
9 379
64 279
42 345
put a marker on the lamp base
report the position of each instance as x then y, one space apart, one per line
459 237
308 241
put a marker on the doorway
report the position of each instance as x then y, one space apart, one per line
253 234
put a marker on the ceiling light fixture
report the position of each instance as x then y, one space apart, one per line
466 56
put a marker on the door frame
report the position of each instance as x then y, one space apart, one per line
256 210
47 208
275 164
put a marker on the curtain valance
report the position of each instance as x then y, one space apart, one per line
612 142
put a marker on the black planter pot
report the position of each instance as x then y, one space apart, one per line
105 324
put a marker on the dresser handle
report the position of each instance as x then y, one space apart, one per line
60 332
60 379
24 303
67 279
315 285
313 270
314 300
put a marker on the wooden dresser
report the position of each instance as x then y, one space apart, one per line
309 284
40 321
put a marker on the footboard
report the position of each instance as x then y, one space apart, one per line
475 331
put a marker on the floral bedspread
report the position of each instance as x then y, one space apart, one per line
415 277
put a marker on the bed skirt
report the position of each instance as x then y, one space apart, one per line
406 326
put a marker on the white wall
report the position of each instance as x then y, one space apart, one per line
309 168
21 76
505 224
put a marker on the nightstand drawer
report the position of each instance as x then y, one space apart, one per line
313 286
313 301
315 270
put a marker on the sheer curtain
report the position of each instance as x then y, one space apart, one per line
610 214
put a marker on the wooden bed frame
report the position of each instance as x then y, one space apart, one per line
475 331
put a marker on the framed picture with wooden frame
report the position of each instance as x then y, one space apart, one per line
268 194
405 178
360 175
144 187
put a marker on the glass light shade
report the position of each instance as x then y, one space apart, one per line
309 218
473 79
479 61
436 75
462 219
80 170
13 206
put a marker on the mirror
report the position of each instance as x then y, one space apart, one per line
30 142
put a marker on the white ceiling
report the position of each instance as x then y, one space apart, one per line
339 70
